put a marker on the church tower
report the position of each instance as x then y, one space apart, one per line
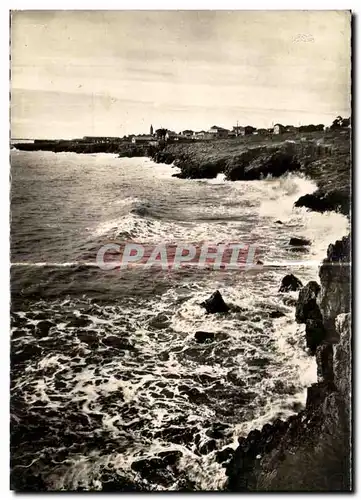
151 130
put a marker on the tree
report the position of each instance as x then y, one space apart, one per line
161 133
340 122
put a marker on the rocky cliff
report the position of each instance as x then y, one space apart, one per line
311 451
323 157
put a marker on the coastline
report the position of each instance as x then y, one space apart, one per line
324 157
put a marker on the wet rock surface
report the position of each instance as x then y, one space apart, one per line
204 337
299 242
290 283
310 451
215 304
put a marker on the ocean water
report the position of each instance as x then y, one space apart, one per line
117 394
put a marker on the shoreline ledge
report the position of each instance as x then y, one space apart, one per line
311 451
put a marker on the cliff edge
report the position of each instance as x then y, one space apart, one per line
311 451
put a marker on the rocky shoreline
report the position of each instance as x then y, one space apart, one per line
322 156
311 451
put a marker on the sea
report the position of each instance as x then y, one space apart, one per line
109 388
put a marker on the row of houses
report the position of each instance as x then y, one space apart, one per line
217 132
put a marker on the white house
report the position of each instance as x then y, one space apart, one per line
142 139
218 132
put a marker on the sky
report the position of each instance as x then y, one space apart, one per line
113 73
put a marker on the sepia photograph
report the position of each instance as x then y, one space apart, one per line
180 251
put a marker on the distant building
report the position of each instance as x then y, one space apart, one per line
249 130
202 134
170 135
238 130
188 133
263 131
174 137
99 139
218 132
278 129
151 130
142 139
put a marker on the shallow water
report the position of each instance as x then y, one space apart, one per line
118 377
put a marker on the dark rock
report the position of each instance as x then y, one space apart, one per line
170 457
259 263
262 362
224 455
79 321
308 312
253 436
21 354
89 338
278 222
160 321
290 283
43 327
208 447
119 483
204 337
315 334
194 395
236 378
218 430
215 304
117 342
324 360
342 360
307 307
153 470
276 314
299 242
267 429
178 435
289 301
320 201
279 425
317 393
335 278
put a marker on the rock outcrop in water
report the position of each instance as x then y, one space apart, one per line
215 304
299 242
309 313
290 283
311 450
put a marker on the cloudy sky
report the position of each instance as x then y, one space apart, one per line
116 72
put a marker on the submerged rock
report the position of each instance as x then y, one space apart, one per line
290 283
215 304
79 321
204 337
43 327
276 314
299 242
